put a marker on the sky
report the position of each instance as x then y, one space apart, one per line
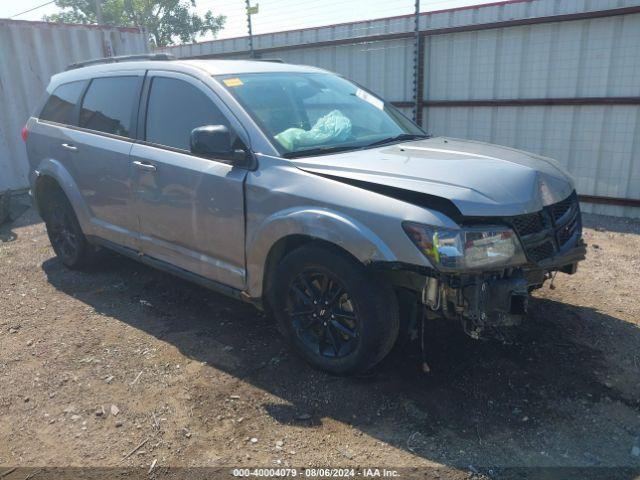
274 15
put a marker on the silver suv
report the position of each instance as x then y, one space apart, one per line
299 191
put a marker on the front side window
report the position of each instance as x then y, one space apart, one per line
62 102
309 113
175 108
109 104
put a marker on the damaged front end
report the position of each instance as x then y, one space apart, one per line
484 303
483 273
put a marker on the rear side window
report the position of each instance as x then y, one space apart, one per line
175 108
109 104
62 102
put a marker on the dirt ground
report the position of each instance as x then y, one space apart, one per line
94 364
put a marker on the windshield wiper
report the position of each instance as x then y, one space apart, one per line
342 148
320 151
399 138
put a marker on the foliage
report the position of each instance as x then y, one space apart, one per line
164 20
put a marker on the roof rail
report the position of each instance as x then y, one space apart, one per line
272 60
122 58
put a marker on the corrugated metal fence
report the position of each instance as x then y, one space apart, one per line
30 52
557 77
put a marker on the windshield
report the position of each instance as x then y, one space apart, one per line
311 113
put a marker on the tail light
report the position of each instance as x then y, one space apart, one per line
24 133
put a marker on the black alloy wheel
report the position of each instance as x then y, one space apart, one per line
323 316
63 238
66 236
337 314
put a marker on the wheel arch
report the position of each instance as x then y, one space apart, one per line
285 231
288 244
44 186
52 175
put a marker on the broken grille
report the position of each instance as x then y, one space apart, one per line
527 224
553 230
540 252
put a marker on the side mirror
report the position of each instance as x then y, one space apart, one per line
216 141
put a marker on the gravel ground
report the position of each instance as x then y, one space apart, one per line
94 364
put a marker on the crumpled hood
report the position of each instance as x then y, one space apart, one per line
481 179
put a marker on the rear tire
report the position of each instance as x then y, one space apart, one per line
338 316
65 234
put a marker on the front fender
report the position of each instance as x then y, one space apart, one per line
54 169
318 223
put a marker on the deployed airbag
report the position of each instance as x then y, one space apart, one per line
333 126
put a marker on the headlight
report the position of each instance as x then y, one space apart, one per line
467 248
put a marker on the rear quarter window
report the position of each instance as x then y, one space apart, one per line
109 104
62 102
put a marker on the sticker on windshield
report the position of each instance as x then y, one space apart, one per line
367 97
233 82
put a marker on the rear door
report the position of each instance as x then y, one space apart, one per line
55 123
99 151
191 209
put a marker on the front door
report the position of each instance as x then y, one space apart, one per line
190 209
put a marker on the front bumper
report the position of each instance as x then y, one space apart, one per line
488 301
485 302
566 261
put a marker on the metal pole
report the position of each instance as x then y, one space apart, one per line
248 6
416 65
98 12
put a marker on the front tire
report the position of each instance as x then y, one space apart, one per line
337 315
65 234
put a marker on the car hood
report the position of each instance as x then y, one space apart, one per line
481 179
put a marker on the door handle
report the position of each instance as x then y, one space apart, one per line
147 167
70 146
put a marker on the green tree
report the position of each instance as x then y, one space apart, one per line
165 20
